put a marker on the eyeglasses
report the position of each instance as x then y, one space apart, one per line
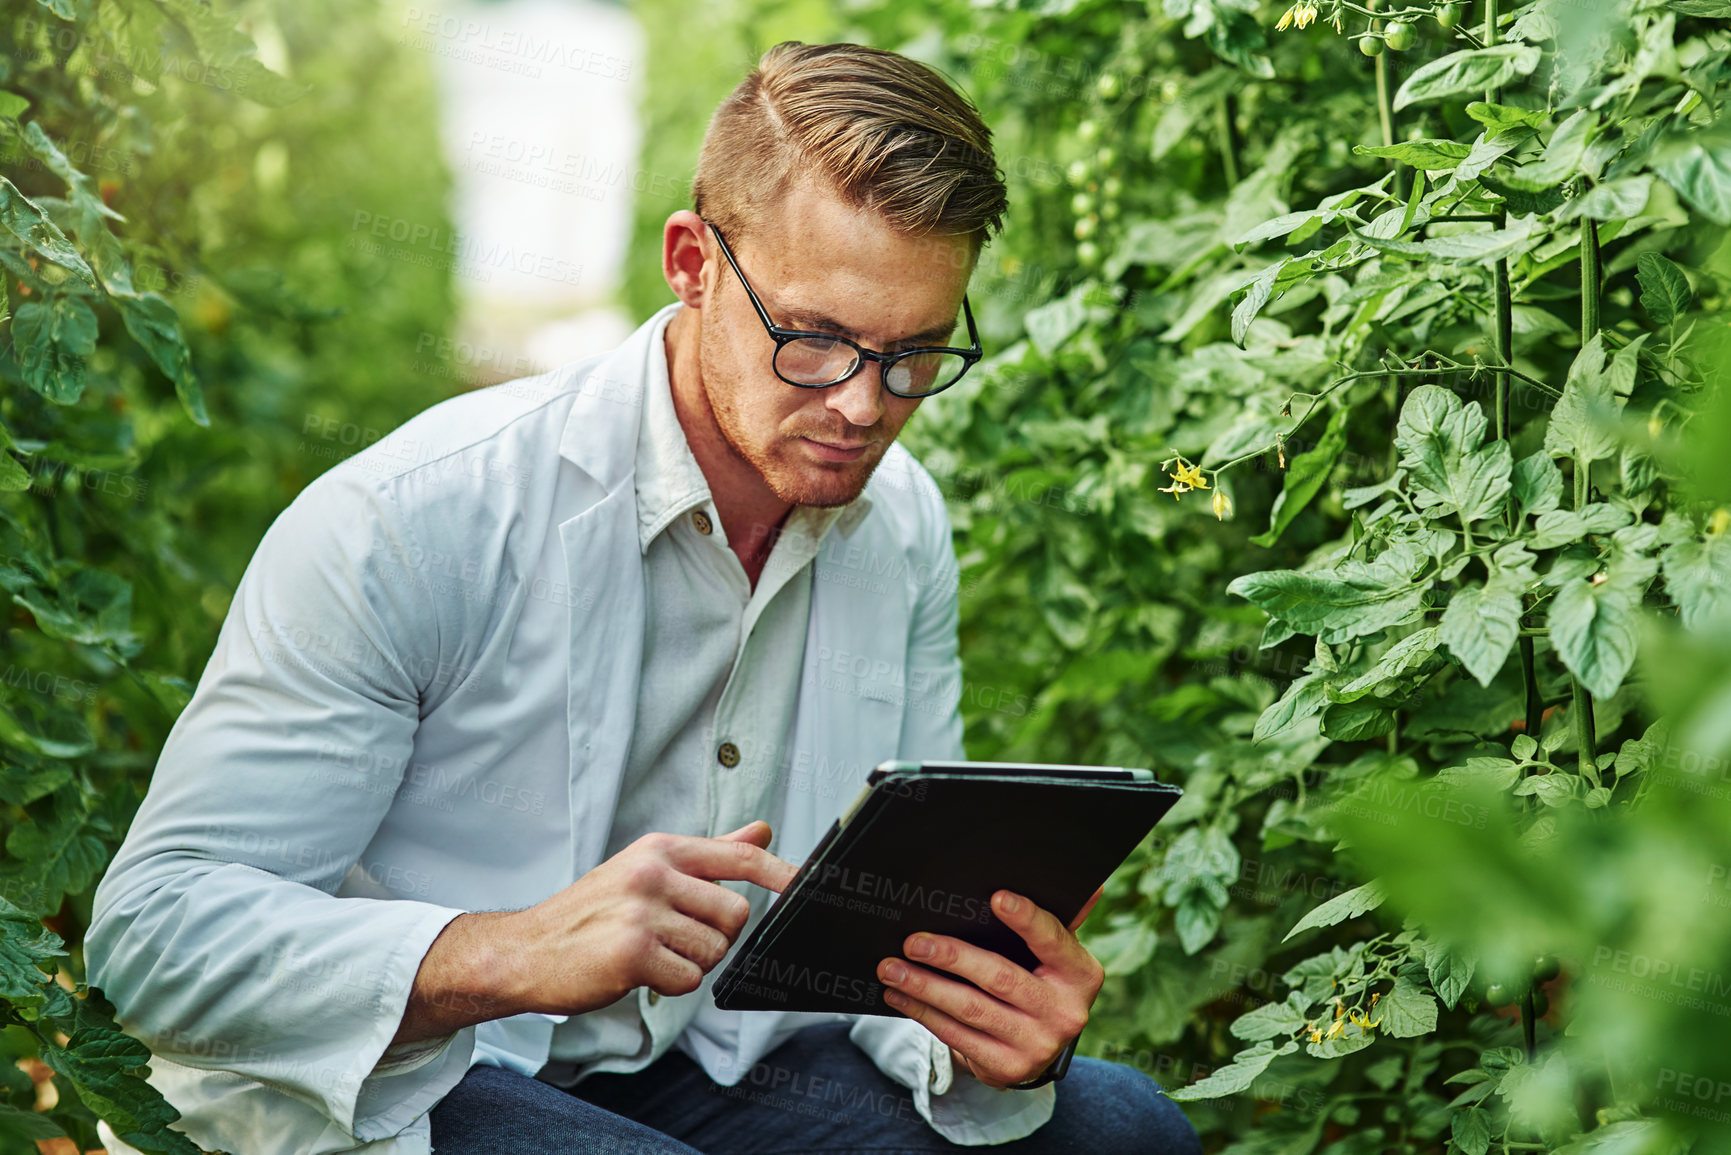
814 360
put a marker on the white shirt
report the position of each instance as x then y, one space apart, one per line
715 704
421 703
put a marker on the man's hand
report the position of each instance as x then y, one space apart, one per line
1013 1026
653 915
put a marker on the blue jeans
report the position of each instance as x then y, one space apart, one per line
672 1108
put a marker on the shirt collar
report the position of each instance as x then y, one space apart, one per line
670 483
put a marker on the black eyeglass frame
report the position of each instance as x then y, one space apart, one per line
782 337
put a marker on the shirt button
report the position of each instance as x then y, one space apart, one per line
702 522
728 755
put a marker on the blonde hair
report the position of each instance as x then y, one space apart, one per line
886 133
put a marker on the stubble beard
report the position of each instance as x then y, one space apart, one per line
820 484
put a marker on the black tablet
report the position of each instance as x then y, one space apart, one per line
923 848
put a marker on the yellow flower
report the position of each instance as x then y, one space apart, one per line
1185 477
1718 523
1286 19
1222 505
1335 1028
1302 14
1306 15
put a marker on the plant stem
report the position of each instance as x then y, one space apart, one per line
1587 759
1590 278
1227 140
1492 95
1582 705
1528 1028
1385 112
1530 680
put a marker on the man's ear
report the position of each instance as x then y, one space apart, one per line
682 257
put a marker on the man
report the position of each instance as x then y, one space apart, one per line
479 786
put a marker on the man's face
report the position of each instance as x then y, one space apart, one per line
819 264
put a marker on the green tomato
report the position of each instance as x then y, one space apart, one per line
1546 968
1078 171
1449 15
1086 226
1088 254
1400 35
1107 85
1106 157
1111 187
1109 211
1501 994
1370 44
1088 131
1082 204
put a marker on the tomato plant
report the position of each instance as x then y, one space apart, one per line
1353 471
191 333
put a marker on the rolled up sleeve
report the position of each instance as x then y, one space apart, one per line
217 931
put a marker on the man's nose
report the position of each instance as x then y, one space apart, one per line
860 398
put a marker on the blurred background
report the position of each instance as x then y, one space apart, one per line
1350 447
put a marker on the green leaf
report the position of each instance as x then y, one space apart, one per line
1696 576
1356 721
1565 526
1450 470
1305 477
21 217
11 104
1269 1021
1613 200
1351 1040
1537 484
1426 153
1582 421
60 855
1594 631
1519 200
1359 900
1467 73
1699 168
1554 789
1562 157
1052 324
28 1126
1480 627
1352 601
1471 1130
1482 247
1196 920
1499 119
1665 292
1403 660
25 945
154 324
1256 294
1237 1075
105 1068
1123 950
14 478
1449 970
1303 700
50 366
1406 1011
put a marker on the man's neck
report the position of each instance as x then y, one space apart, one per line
751 514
